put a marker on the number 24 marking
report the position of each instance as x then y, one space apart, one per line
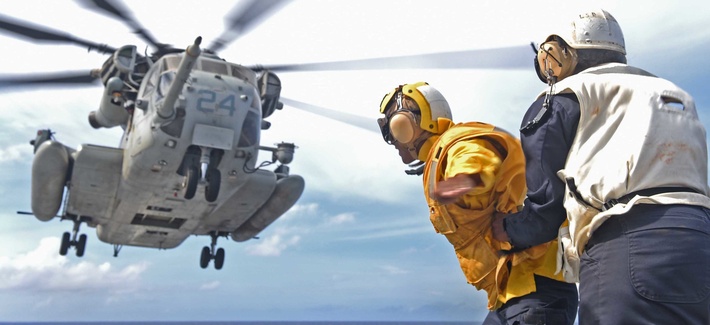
208 98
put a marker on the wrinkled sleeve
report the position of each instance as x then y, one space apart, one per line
546 147
473 157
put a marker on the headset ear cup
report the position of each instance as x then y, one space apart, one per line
555 58
403 126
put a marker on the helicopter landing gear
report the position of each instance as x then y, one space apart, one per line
211 176
69 240
213 180
116 249
199 167
192 177
209 253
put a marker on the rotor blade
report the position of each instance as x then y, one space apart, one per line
352 119
243 18
61 78
45 34
516 57
116 9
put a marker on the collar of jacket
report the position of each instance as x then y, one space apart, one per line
444 124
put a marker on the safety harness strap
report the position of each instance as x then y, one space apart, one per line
645 192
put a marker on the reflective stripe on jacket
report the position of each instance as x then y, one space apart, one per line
466 223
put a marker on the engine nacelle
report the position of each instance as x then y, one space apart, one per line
49 176
111 112
270 92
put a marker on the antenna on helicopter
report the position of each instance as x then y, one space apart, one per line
42 136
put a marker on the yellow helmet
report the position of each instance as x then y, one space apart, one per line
405 123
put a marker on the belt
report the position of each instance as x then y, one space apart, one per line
645 192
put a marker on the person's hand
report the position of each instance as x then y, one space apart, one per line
447 191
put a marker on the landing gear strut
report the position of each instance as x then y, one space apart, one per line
199 167
70 240
116 249
209 253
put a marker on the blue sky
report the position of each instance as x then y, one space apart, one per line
358 245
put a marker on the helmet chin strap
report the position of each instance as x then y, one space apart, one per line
551 81
417 166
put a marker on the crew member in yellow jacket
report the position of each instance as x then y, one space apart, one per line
471 170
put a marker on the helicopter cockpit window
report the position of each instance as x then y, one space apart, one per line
150 81
166 79
243 73
217 67
250 130
148 87
171 62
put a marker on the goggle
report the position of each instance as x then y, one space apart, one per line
384 124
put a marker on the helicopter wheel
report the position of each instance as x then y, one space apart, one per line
214 179
205 257
81 245
192 176
219 259
66 242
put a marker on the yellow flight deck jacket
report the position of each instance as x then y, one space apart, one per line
497 157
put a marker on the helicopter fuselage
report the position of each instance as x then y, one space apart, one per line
185 169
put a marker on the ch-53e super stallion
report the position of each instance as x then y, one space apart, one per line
187 159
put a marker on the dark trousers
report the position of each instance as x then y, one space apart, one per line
554 303
648 266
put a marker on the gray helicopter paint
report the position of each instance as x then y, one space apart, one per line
133 195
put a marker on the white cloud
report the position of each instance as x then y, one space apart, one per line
210 285
301 209
275 244
393 270
342 218
391 233
44 270
338 162
396 225
17 152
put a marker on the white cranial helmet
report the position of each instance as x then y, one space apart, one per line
596 29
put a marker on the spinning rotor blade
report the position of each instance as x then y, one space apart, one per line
354 120
516 57
45 34
63 78
115 9
243 18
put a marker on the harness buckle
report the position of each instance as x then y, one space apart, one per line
609 204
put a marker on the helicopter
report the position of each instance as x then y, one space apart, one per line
186 164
